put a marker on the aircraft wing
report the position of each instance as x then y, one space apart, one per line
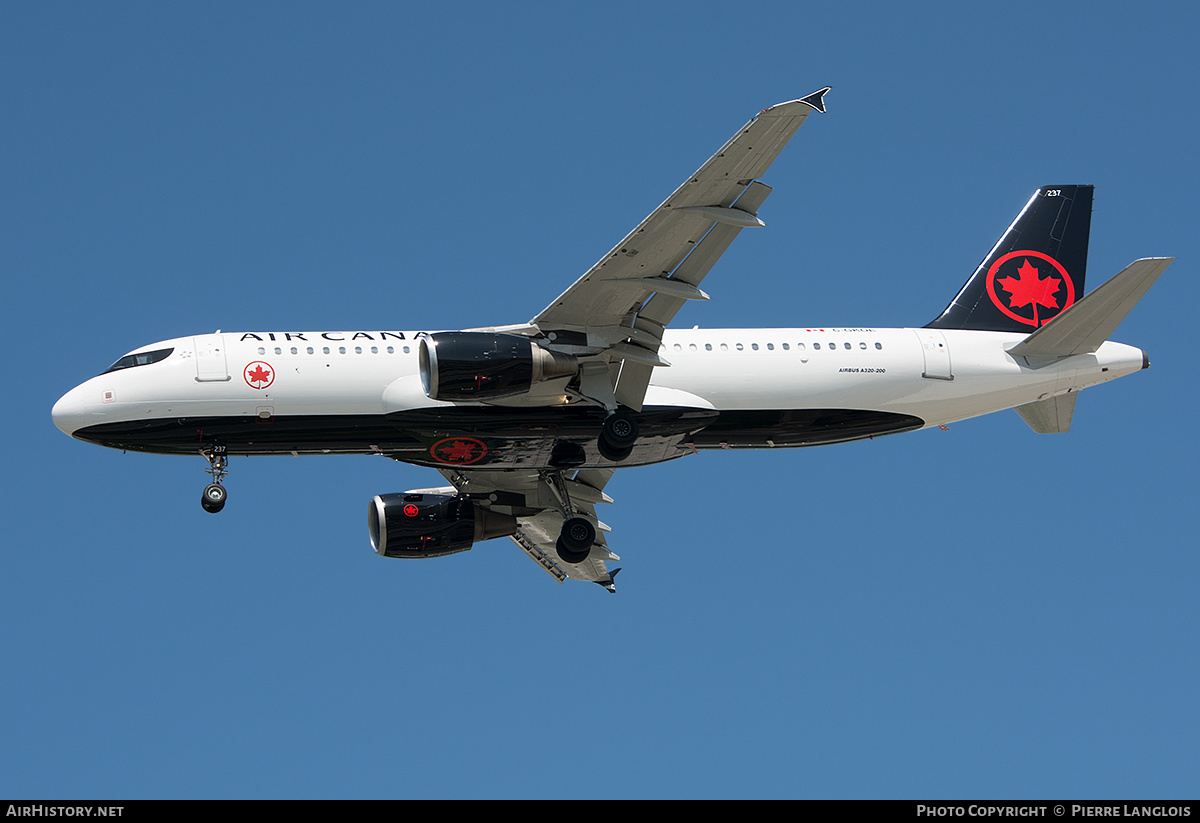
624 302
531 498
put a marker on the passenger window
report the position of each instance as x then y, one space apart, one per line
754 346
879 345
724 347
817 346
739 347
325 349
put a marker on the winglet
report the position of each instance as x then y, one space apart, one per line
609 585
817 99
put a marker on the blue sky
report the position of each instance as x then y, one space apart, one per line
983 612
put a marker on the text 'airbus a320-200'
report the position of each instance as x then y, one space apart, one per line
528 422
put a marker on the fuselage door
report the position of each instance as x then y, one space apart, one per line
210 358
936 353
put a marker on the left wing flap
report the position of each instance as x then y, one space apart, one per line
663 306
537 536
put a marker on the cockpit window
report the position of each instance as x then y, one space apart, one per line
142 358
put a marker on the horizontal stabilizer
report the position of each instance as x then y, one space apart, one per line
1051 415
1083 327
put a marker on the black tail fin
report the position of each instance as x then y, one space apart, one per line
1033 272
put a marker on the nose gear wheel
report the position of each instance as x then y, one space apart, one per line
213 498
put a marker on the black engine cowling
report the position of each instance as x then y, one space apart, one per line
431 525
485 365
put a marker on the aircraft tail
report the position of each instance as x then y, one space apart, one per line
1034 271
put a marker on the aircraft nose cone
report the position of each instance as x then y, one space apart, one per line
72 412
64 415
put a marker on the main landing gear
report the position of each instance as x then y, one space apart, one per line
213 497
578 533
617 436
576 539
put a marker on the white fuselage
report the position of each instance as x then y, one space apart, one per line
936 376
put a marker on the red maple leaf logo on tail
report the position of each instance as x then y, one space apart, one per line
1027 289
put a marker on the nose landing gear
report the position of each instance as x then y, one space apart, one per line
212 500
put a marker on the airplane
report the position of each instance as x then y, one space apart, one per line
528 422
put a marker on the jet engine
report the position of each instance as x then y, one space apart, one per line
431 525
485 366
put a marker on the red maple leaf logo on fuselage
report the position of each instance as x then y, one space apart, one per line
460 450
258 374
457 452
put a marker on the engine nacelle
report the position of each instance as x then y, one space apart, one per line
464 365
431 525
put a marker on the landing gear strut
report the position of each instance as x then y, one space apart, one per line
212 500
617 436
